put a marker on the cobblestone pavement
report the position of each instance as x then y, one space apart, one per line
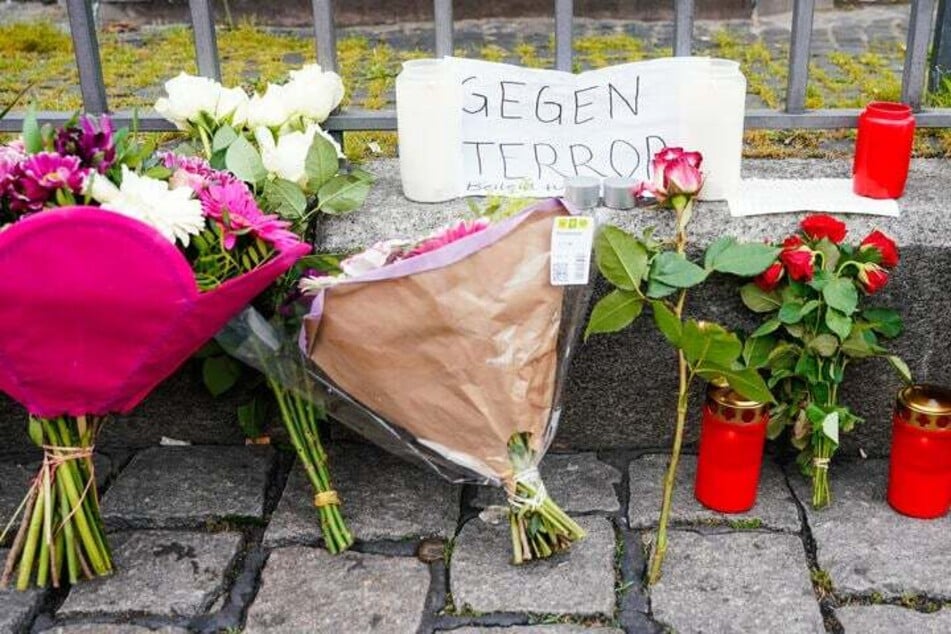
213 539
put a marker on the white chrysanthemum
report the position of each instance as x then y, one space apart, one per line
312 93
188 97
270 110
100 188
174 213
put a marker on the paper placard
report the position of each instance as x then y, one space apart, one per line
783 195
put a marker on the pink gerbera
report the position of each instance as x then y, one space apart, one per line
236 213
36 180
448 236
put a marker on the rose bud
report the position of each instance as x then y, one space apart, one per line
769 279
819 226
683 178
799 263
872 277
792 242
883 243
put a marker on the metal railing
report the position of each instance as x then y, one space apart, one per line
795 115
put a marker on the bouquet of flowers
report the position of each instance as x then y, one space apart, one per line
452 351
815 327
273 142
120 263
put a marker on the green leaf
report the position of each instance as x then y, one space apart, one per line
743 258
667 322
830 254
824 345
784 357
808 367
615 311
716 249
32 137
756 351
758 300
220 374
900 367
224 137
704 342
840 293
321 163
656 290
768 326
857 345
620 257
673 269
342 194
819 280
243 161
251 417
285 198
884 321
790 313
830 427
747 381
838 323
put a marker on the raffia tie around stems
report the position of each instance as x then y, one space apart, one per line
326 498
821 463
60 529
531 480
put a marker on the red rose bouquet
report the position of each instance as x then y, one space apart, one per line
815 327
120 263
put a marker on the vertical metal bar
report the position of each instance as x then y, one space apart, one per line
941 60
564 15
442 16
206 42
799 55
683 27
916 53
326 34
82 28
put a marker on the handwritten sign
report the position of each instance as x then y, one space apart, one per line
524 130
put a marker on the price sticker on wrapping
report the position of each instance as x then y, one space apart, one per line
571 240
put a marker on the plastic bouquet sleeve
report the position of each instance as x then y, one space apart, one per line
456 358
95 310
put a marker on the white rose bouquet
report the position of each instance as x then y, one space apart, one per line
273 141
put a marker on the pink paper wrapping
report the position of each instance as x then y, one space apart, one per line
96 309
458 348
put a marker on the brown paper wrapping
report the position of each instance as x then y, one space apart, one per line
463 356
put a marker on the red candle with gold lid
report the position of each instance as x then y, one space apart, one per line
919 475
732 435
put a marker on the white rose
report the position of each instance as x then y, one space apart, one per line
188 97
100 188
232 106
285 158
174 213
270 110
314 94
373 258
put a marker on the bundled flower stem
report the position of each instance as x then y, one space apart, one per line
301 418
539 527
61 523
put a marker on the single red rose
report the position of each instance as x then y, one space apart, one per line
883 243
799 263
769 279
872 277
819 226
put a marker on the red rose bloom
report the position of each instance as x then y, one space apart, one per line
819 226
882 242
768 279
799 263
792 242
872 277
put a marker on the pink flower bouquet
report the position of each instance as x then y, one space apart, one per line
120 264
452 350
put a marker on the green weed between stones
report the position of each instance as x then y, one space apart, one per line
135 65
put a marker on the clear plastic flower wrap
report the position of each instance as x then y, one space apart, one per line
454 358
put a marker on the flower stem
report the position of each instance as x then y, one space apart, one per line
670 478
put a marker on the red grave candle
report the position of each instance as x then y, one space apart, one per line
919 475
886 134
732 435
